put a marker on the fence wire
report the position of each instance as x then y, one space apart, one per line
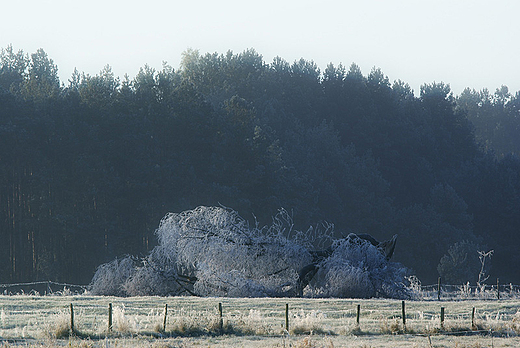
466 292
419 292
46 287
25 316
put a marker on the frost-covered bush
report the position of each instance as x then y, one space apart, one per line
146 281
212 251
110 277
226 256
356 268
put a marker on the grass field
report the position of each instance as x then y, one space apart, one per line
44 321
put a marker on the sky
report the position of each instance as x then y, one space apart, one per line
466 43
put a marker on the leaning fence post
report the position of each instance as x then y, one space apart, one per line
473 327
110 317
165 314
71 318
439 289
287 317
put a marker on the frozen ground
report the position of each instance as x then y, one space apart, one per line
387 341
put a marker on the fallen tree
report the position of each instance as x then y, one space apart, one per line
212 251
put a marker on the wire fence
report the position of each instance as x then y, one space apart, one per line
466 292
419 292
46 287
23 317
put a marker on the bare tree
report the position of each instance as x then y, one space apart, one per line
482 277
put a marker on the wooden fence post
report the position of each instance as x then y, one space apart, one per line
439 289
287 317
110 317
71 319
498 290
442 318
357 315
473 326
404 316
165 314
221 323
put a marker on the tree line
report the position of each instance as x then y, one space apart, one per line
89 168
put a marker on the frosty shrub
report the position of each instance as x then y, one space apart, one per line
217 247
212 251
145 281
357 268
110 277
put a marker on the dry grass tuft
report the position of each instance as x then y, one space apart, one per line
253 324
123 324
309 323
193 324
162 345
473 345
81 343
308 342
58 326
515 323
188 323
391 326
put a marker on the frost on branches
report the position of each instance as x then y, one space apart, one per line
212 251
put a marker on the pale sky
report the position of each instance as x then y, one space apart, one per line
466 43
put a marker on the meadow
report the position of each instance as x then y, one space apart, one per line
45 321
